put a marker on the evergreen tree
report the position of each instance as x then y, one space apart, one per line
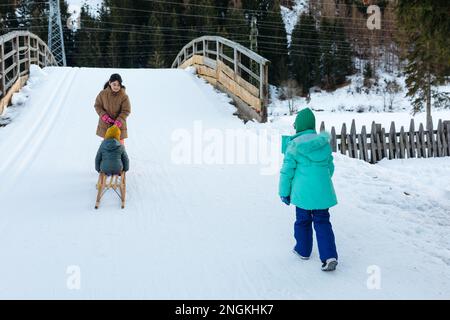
236 27
24 11
327 54
335 56
272 40
39 20
114 50
305 53
86 50
68 34
200 17
103 36
8 20
132 60
156 59
173 41
425 28
344 64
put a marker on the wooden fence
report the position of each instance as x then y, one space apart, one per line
18 50
232 68
378 143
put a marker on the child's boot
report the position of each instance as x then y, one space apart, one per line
298 254
329 265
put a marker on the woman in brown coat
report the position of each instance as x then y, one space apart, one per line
113 107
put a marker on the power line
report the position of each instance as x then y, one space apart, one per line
263 24
262 39
237 37
184 15
249 10
319 32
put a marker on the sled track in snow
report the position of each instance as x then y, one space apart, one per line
31 141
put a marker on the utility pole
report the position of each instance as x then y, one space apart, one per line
254 34
254 47
55 33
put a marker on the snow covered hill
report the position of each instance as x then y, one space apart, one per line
198 226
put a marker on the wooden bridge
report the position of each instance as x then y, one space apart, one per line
232 68
18 50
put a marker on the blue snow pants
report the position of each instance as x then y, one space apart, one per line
303 233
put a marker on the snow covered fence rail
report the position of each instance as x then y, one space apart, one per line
18 50
378 143
232 68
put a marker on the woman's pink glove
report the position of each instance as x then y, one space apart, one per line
118 123
107 119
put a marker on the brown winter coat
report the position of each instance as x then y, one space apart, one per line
116 105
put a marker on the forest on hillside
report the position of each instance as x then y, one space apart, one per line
330 40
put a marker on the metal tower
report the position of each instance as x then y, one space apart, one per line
55 33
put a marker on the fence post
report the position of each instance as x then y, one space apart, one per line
418 144
447 135
439 135
378 139
402 143
432 146
444 141
391 141
322 126
412 144
373 143
344 139
422 141
354 146
363 142
383 143
333 139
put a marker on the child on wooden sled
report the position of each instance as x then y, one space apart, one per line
111 157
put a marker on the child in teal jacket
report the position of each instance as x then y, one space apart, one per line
305 181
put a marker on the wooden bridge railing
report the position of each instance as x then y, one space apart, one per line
232 68
18 50
379 143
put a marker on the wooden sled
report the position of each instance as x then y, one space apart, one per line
114 182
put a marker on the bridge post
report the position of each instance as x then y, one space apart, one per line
2 68
17 55
236 69
29 52
264 90
217 51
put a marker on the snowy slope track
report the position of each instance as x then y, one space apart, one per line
35 129
197 231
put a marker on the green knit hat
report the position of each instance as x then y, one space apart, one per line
305 120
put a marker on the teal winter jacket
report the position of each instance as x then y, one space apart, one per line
307 171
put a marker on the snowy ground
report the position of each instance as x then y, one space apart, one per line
353 98
195 227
